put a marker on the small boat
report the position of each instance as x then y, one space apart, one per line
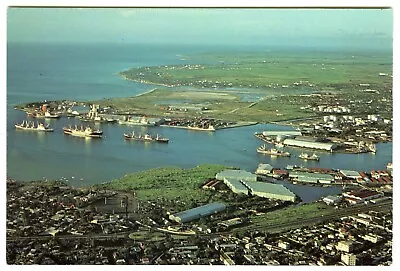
372 148
306 156
161 139
83 132
274 152
30 126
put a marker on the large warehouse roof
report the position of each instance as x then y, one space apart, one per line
276 133
198 212
318 176
350 173
236 186
236 174
308 144
276 189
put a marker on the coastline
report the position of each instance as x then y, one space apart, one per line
144 81
144 93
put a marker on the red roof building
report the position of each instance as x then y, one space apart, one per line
361 196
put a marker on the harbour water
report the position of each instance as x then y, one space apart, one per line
88 72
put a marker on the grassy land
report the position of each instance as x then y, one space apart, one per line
276 84
266 70
169 183
288 215
221 104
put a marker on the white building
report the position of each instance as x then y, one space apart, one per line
345 246
309 144
264 169
330 200
283 245
349 259
372 238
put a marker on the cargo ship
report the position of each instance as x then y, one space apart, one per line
83 132
30 126
306 156
98 119
140 122
146 137
209 128
274 152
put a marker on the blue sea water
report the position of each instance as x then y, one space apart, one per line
37 72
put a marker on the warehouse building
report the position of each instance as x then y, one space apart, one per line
264 169
198 212
260 189
311 177
351 174
236 186
332 200
281 133
310 144
271 191
361 196
236 174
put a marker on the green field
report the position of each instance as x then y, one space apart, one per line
262 87
291 214
168 183
266 70
220 104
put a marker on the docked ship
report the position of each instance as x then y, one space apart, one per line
83 132
146 137
209 128
98 119
275 152
143 121
30 126
306 156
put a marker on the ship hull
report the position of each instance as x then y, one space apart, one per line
33 129
94 134
315 159
159 140
201 129
135 123
273 153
